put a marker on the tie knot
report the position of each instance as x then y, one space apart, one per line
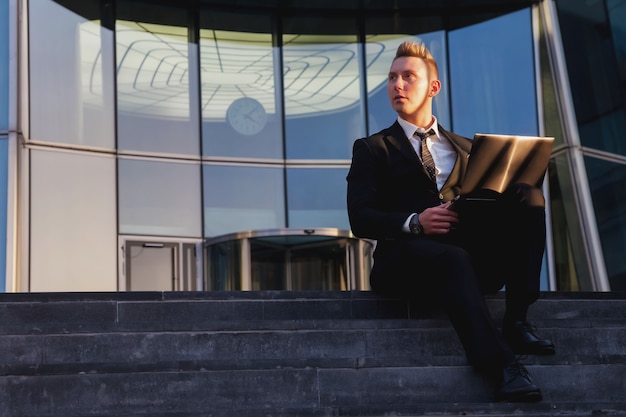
424 134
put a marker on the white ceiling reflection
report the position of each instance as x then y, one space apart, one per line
320 73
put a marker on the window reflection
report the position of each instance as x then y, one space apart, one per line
323 106
607 181
241 198
572 271
588 31
154 72
240 102
159 198
492 82
4 199
317 197
4 63
71 57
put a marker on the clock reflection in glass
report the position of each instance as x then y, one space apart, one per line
247 116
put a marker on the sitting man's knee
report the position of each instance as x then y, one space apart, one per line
526 195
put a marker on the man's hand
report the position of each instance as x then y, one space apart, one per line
438 220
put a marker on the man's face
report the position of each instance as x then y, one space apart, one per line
411 85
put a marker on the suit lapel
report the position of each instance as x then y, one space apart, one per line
462 147
396 137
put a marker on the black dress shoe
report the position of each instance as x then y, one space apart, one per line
523 340
517 386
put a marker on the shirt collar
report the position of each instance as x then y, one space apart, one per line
409 128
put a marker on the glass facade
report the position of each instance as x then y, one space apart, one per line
173 125
597 32
4 66
5 81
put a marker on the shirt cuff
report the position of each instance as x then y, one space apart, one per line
405 226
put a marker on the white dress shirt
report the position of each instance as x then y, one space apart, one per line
440 148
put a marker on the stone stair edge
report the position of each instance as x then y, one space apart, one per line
396 390
265 295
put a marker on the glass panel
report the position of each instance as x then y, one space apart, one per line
157 67
159 198
269 266
241 114
151 268
617 19
323 104
4 155
238 198
551 117
71 57
4 66
492 77
607 181
224 266
299 263
69 250
595 80
317 197
321 268
571 268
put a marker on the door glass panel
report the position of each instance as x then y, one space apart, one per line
151 266
224 269
189 278
298 263
160 266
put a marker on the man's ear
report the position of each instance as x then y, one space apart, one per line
435 87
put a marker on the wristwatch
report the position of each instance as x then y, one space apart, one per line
415 226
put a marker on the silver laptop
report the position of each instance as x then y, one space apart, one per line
497 161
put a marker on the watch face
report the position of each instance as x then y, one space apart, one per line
247 116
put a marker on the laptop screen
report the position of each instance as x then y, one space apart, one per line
497 161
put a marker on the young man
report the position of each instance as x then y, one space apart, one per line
426 250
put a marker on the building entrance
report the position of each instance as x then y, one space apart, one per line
288 259
159 265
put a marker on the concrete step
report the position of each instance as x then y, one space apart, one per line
307 391
289 354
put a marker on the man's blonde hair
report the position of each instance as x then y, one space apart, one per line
417 50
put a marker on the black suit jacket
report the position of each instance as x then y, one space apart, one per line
387 182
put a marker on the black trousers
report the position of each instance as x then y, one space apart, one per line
498 242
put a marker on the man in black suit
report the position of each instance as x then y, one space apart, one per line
428 250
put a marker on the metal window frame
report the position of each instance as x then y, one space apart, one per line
574 150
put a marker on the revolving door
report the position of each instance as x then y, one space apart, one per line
288 259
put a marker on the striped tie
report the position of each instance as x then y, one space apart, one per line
427 158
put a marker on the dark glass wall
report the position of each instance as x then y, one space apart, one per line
4 127
594 41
